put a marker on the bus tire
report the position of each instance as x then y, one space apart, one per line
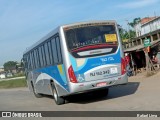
37 95
58 100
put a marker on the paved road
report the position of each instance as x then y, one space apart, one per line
141 93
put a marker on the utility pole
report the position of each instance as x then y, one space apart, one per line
149 64
147 61
128 29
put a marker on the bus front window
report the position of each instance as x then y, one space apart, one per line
91 41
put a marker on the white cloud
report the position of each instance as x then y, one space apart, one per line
137 4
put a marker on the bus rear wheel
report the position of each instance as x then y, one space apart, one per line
58 100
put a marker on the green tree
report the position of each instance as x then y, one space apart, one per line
134 22
10 65
122 33
126 35
132 34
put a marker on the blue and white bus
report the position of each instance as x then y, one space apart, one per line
76 58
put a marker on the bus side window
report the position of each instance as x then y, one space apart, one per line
50 52
40 56
54 51
59 50
31 61
46 53
43 55
36 59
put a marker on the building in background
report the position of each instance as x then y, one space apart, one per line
1 69
146 25
2 73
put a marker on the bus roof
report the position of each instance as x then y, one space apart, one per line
89 22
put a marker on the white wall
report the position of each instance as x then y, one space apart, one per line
2 76
148 27
138 29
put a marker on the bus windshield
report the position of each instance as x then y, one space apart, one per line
91 40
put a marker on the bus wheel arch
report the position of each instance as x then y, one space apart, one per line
58 100
34 91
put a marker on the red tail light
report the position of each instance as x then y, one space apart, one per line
72 76
123 66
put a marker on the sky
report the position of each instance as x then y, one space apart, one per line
24 22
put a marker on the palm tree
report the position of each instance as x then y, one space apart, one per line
134 22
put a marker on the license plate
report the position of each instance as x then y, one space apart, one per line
101 84
113 70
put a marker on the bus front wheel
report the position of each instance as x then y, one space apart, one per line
58 100
35 93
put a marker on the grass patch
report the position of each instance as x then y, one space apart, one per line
13 83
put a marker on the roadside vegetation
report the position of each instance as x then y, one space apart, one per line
13 83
